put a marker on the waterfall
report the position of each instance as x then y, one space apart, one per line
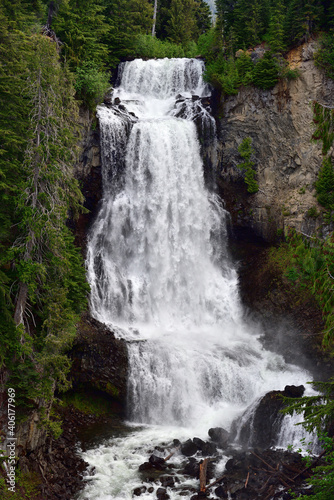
158 264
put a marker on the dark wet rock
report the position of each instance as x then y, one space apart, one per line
162 494
157 462
221 492
100 361
200 495
263 424
117 101
176 442
139 491
107 100
192 468
209 449
145 466
292 391
195 98
199 443
150 489
188 448
167 481
219 436
206 448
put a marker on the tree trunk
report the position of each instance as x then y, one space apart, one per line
22 297
154 16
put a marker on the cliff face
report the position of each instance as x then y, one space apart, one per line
279 121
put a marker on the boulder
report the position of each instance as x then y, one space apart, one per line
219 436
261 424
188 448
157 462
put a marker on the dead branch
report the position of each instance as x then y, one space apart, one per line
215 482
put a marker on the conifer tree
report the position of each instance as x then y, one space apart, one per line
126 19
276 28
182 25
81 27
265 73
325 185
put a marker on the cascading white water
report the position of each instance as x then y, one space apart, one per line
160 275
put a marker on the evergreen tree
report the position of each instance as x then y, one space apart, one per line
81 26
182 25
42 279
303 17
126 19
203 17
276 28
325 185
265 74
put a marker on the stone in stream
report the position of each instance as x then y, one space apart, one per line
219 436
188 448
162 494
157 462
221 492
167 481
139 491
206 448
191 468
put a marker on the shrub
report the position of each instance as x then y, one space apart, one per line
91 84
245 150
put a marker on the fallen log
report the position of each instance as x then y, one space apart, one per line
203 467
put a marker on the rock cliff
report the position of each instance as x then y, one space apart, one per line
279 121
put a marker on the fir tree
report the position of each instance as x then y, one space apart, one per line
276 28
182 25
81 27
265 74
325 185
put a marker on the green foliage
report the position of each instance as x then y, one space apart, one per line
81 27
318 414
323 117
182 23
126 20
41 269
312 213
151 47
325 185
91 84
245 149
322 480
88 402
324 57
265 74
310 265
245 67
276 28
28 486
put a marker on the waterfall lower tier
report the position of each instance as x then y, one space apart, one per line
160 274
